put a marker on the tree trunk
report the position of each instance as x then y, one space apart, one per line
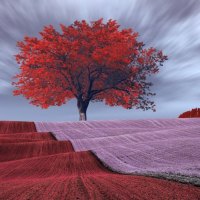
82 107
82 116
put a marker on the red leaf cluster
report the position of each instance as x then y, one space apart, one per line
89 62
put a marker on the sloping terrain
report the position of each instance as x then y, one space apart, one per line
39 167
22 150
162 148
16 127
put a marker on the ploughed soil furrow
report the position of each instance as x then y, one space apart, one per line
79 175
15 151
57 165
101 187
28 135
17 140
16 127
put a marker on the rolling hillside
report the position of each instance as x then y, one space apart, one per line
161 148
34 165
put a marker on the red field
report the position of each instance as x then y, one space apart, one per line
36 166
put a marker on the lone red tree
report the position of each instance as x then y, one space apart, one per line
90 62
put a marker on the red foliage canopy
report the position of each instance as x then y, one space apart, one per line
191 113
89 62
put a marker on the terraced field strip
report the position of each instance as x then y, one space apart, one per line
16 127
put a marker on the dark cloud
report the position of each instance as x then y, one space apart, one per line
173 26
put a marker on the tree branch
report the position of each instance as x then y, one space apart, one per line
94 92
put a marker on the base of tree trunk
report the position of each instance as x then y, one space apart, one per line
82 117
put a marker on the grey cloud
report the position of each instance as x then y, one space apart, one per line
173 26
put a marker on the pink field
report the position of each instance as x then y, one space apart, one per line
163 147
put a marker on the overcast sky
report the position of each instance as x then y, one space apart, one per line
170 25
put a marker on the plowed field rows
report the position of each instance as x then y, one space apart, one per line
37 166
